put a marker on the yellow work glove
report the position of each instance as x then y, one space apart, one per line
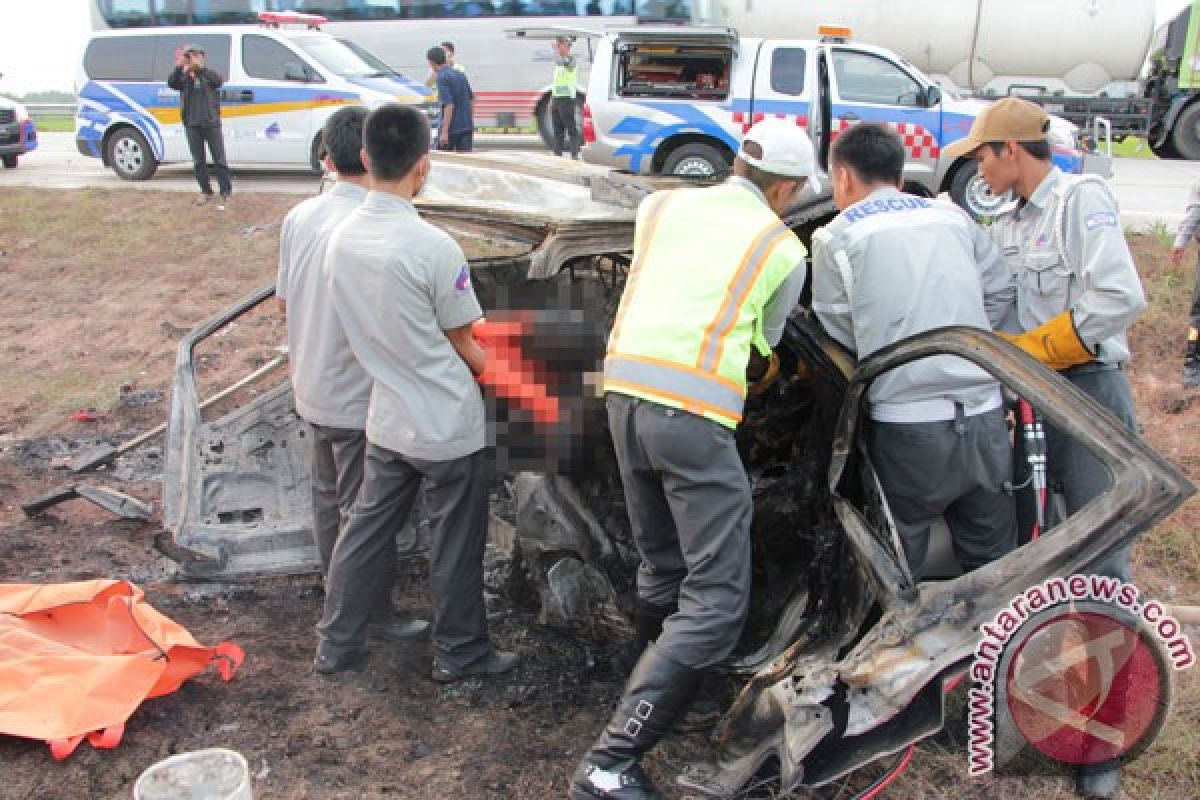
1056 343
764 382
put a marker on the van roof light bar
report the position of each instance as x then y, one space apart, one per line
276 19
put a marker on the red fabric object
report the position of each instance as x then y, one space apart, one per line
77 659
509 374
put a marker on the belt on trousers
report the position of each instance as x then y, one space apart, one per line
935 409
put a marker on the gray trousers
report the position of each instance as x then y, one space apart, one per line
337 473
956 469
1071 465
457 504
689 504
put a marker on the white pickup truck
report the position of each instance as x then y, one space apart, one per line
677 100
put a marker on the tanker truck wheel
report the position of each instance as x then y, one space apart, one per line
1186 133
1166 150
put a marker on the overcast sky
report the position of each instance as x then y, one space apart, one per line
41 41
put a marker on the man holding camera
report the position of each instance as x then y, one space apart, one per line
200 108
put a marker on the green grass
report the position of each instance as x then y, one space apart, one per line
55 124
1132 148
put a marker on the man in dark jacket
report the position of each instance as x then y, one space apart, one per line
200 104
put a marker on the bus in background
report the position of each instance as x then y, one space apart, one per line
511 78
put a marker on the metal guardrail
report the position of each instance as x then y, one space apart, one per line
50 109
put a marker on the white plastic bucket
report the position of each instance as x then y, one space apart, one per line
213 774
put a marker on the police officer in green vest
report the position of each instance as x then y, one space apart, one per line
714 277
562 98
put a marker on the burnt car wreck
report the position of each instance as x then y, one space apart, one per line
843 657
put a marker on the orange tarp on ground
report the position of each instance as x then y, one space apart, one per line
77 659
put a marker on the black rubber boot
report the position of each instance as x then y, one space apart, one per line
1098 782
656 694
647 625
1191 366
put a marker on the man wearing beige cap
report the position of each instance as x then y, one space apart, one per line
714 277
1078 291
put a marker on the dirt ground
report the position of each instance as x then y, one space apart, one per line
95 297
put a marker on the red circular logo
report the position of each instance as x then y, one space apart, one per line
1084 687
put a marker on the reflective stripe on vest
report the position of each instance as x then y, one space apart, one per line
706 263
566 80
696 391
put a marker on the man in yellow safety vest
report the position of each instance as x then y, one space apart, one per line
715 274
562 98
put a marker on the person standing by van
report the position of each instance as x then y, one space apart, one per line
457 130
562 98
200 104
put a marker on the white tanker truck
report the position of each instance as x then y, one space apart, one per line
1079 58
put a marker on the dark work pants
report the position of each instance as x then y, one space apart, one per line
689 504
1071 465
562 122
956 469
457 504
459 142
1194 315
336 475
197 137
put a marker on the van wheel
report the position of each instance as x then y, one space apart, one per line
1185 134
696 160
130 155
10 162
971 192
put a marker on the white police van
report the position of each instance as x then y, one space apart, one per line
280 87
677 100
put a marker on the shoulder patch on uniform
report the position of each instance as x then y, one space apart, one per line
1101 219
463 281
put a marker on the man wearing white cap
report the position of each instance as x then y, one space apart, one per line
893 265
715 274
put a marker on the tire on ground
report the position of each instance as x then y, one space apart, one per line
696 159
10 161
967 190
130 156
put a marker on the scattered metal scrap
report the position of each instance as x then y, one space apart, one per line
109 499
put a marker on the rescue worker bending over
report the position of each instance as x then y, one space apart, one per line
1077 292
715 274
892 265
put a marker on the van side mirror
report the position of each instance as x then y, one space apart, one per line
933 96
295 71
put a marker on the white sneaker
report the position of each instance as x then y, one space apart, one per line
222 201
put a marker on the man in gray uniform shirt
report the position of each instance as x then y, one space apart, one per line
1078 291
893 265
402 289
331 390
